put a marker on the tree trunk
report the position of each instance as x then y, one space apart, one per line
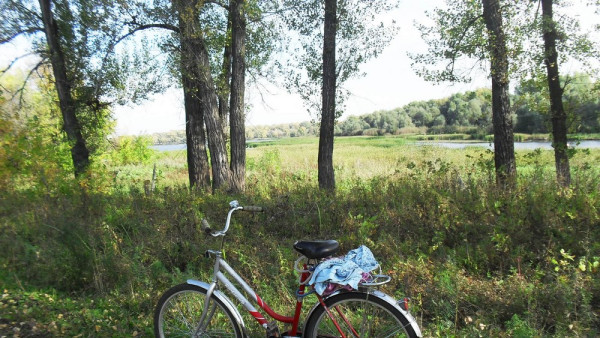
224 80
238 78
326 173
197 158
204 88
559 117
208 98
504 152
71 126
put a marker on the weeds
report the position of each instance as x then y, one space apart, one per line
476 260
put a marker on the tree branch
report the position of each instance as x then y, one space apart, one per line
567 80
218 3
15 60
141 28
24 9
30 30
21 90
133 31
454 48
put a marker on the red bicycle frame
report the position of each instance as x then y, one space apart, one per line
220 264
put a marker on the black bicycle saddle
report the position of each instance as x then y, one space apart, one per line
317 249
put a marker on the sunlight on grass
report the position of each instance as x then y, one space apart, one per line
93 262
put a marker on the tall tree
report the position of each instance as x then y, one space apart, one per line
204 88
79 151
325 157
213 53
557 111
238 86
336 37
182 19
504 152
77 38
554 40
197 157
224 79
467 32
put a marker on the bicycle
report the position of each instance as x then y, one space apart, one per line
200 309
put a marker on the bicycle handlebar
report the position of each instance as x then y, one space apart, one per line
205 226
253 208
234 207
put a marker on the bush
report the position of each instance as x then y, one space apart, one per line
475 259
132 150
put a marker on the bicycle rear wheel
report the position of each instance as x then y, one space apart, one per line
180 310
358 314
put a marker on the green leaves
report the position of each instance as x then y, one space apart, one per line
455 40
132 150
357 41
35 154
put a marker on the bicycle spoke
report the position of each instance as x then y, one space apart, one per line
364 324
346 321
205 320
183 317
179 314
393 332
358 315
329 330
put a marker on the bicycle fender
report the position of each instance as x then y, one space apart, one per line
223 298
383 296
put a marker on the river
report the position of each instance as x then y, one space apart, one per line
446 144
518 145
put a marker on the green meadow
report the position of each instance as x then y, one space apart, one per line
92 258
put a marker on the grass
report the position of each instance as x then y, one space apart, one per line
475 259
48 313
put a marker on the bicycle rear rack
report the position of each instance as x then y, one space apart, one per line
376 280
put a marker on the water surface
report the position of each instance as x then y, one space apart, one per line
447 144
518 145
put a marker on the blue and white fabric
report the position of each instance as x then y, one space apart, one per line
344 271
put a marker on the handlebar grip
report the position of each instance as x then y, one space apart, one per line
253 208
205 226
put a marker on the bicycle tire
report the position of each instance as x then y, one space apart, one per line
368 315
180 308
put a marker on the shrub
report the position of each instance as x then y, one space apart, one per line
132 150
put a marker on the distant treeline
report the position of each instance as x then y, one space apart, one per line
469 112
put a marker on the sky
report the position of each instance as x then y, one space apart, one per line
390 82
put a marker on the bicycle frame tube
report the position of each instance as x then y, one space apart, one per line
304 276
221 264
337 326
226 301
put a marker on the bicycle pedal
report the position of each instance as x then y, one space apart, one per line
273 330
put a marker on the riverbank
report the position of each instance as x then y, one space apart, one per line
424 137
529 145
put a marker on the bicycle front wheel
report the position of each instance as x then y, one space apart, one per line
179 313
358 314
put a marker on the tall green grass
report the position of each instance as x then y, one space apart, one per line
475 260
